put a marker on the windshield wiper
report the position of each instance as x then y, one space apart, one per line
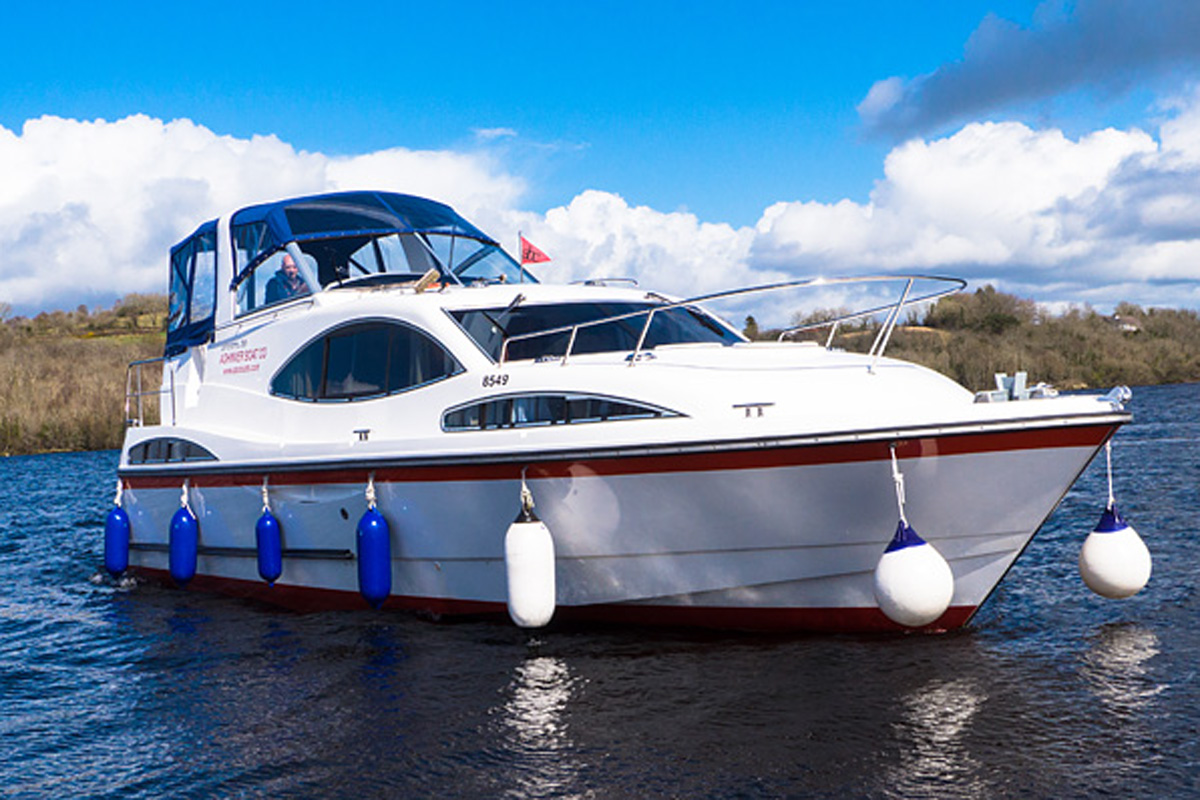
507 310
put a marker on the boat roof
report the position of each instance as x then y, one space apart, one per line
356 213
261 230
336 214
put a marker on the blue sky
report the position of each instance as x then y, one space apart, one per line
716 111
720 108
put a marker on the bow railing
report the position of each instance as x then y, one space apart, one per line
893 310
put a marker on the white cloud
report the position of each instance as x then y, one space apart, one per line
487 134
472 183
1098 219
598 235
992 194
1109 216
88 211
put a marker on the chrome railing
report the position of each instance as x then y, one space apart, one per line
135 393
893 310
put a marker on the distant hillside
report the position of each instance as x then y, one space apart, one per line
62 374
972 336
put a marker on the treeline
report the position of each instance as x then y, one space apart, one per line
62 373
973 335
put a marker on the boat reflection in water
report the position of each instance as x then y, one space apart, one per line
1117 668
935 724
535 714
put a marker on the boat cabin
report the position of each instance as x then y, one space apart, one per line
283 250
278 252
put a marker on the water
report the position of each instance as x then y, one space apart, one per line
1052 692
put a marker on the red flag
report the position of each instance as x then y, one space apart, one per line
530 254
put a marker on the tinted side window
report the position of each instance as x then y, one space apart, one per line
357 362
301 376
361 361
490 326
532 410
168 450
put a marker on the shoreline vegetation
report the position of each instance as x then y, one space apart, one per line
62 373
971 336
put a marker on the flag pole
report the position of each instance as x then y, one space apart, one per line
520 259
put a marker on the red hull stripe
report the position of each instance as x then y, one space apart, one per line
824 620
695 460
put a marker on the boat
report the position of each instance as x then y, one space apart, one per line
361 391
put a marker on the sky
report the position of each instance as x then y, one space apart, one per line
1051 149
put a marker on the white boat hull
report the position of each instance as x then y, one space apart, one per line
758 537
686 475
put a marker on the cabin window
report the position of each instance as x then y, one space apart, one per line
249 241
364 361
168 450
193 280
193 286
275 280
178 301
534 410
204 280
490 326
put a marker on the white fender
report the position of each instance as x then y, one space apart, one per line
913 583
529 568
1114 561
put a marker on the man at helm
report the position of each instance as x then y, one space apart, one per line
286 282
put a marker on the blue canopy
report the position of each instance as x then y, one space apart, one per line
265 228
259 231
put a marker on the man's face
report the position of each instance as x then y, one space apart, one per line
290 269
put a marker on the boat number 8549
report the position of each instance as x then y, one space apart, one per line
494 380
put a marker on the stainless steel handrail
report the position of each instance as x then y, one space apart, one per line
133 374
877 347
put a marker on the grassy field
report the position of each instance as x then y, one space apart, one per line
972 336
62 374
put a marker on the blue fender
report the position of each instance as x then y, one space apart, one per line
116 541
374 542
269 540
184 546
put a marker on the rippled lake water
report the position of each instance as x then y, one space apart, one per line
1051 692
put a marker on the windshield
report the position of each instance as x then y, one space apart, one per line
473 261
680 325
364 260
408 256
